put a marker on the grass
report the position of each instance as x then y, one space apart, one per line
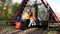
54 29
3 24
2 21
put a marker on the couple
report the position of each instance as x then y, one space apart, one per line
30 16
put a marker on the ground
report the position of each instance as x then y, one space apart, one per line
12 30
4 29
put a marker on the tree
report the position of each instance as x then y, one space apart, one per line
14 8
6 6
2 11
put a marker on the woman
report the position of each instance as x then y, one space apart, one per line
31 19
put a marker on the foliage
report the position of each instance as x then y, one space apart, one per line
4 9
8 9
15 7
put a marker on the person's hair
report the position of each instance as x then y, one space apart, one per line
27 12
31 13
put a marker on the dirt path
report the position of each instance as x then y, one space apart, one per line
12 30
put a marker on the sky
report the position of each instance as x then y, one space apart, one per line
55 5
19 1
